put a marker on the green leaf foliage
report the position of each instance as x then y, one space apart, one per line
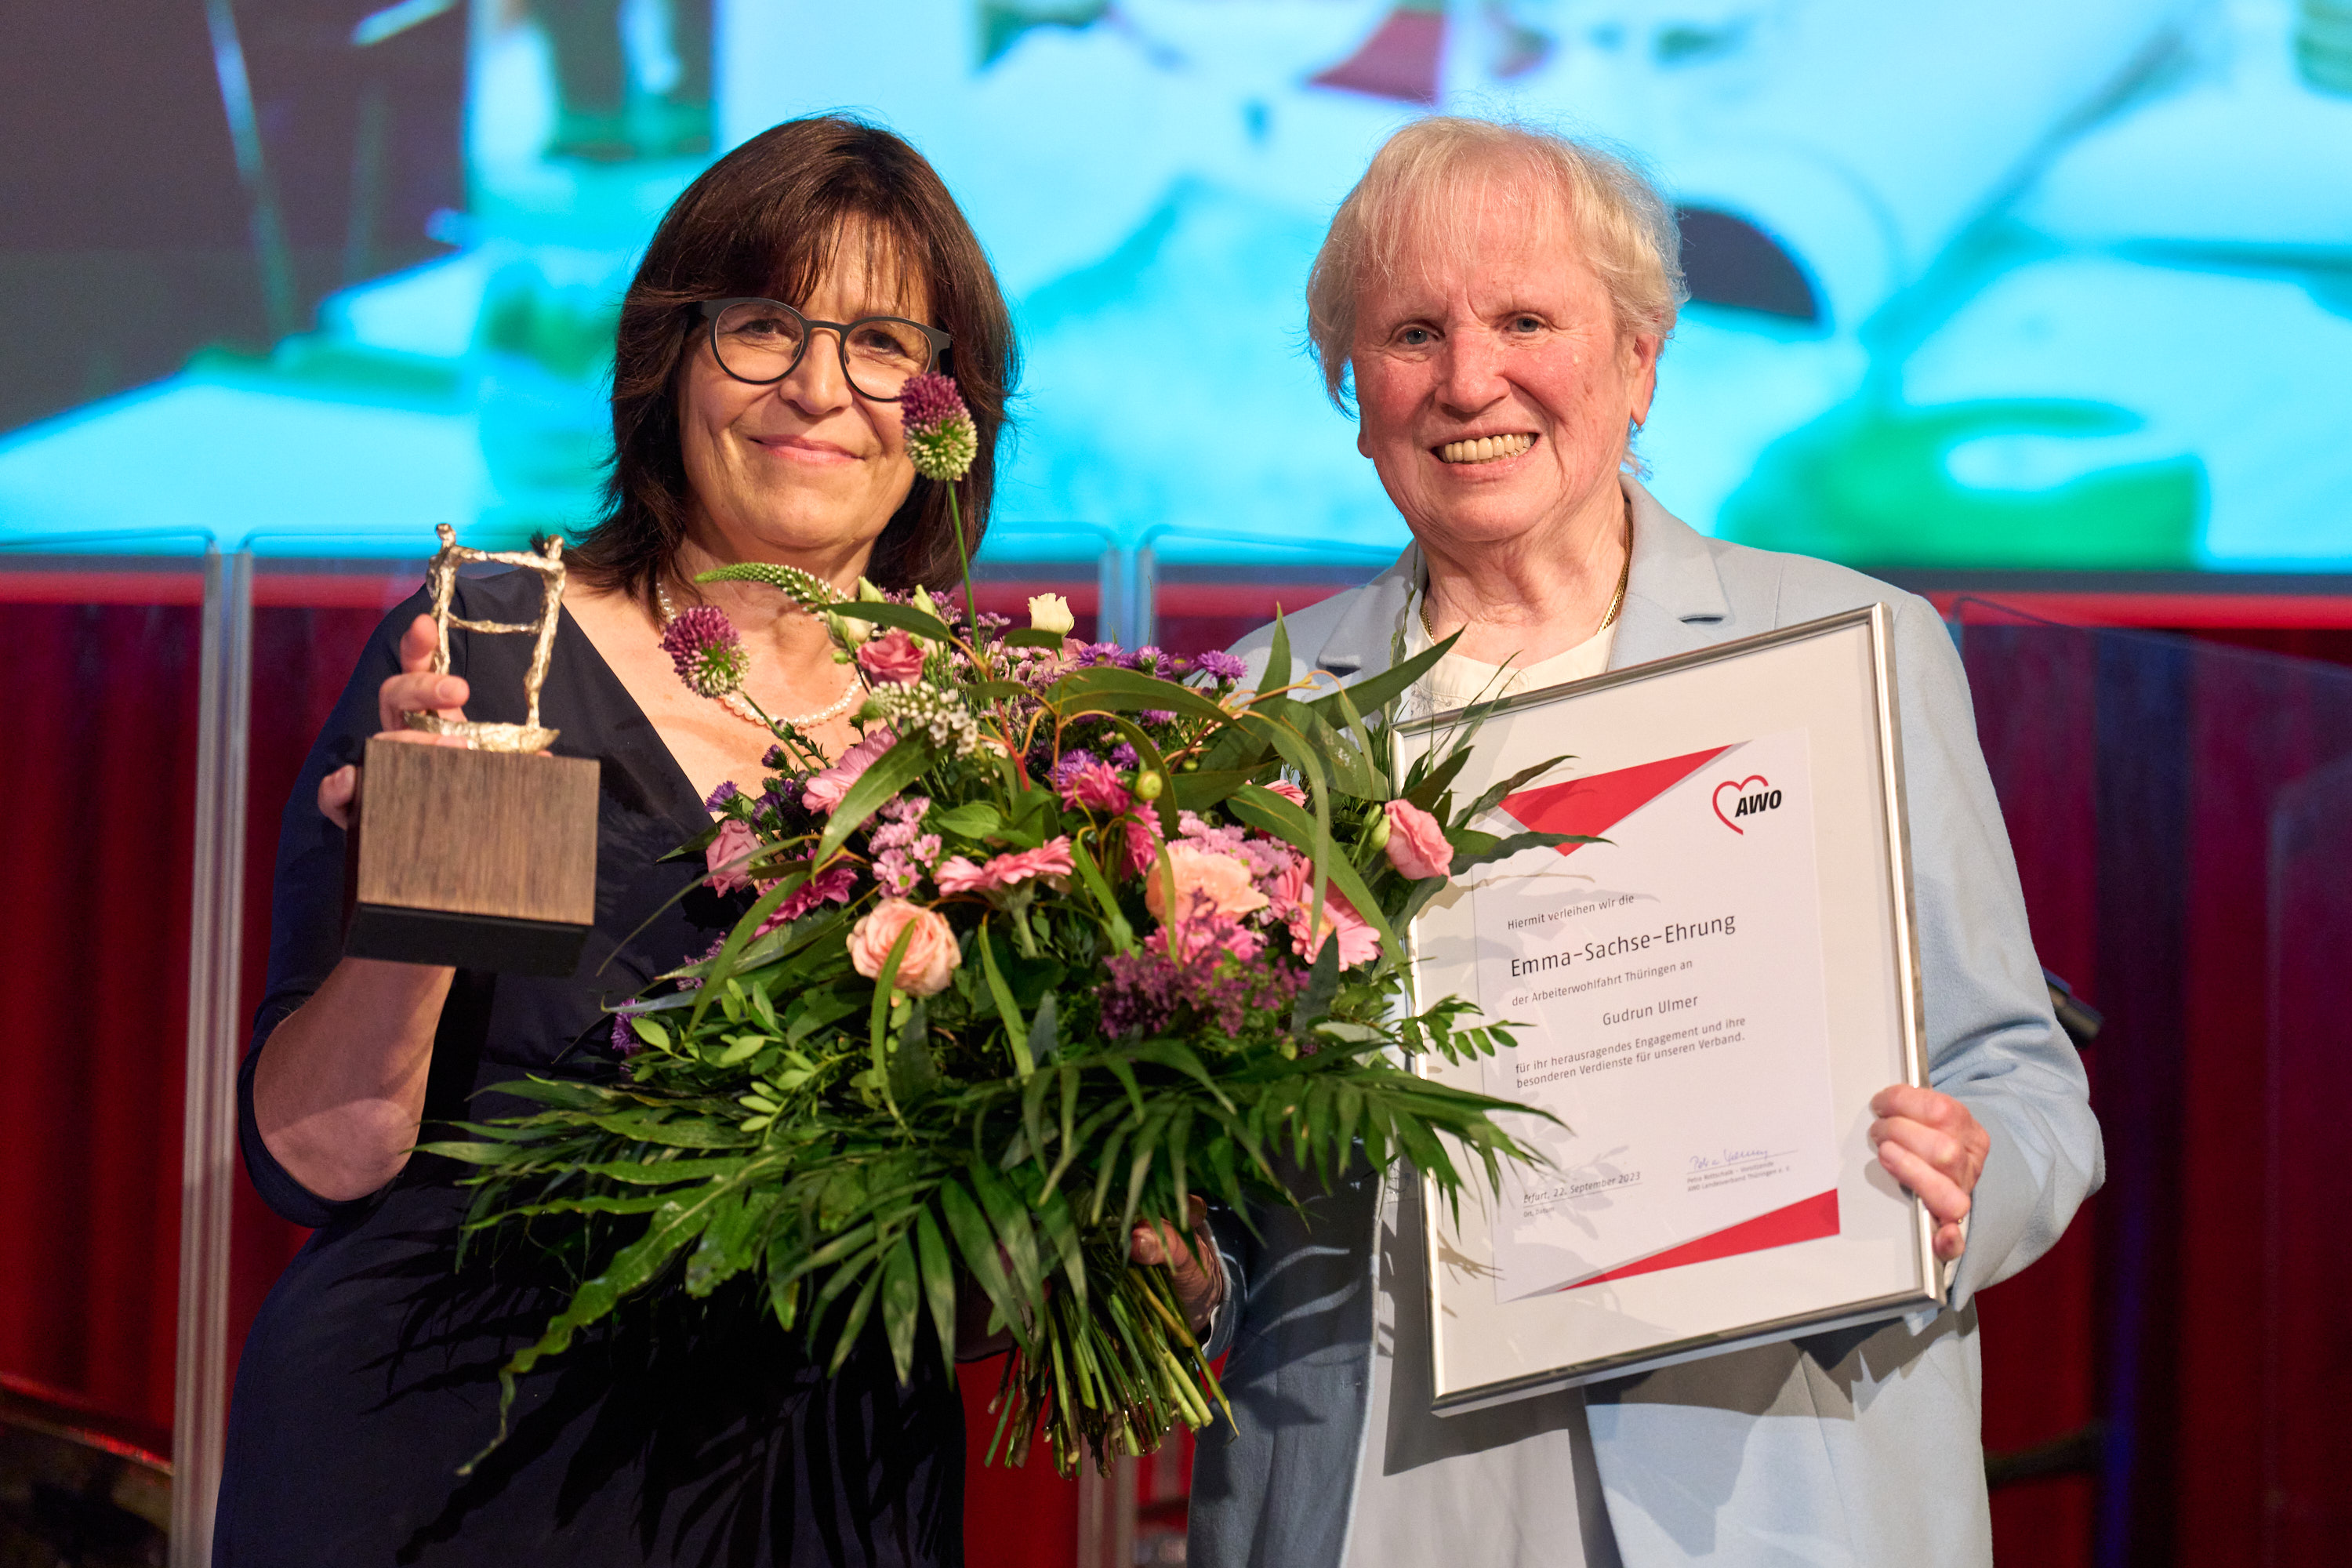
857 1161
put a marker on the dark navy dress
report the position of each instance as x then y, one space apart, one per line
691 1432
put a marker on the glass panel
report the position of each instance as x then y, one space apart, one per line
311 617
1210 590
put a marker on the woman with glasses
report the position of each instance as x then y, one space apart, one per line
782 305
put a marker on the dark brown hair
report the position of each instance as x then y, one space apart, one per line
767 220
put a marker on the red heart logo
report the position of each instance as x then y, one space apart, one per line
1739 788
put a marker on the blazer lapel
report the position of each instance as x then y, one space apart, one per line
1674 600
1359 642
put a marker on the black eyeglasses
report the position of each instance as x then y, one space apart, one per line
763 341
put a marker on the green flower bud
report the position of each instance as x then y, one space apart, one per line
1378 836
1147 785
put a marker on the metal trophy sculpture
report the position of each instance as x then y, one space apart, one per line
483 858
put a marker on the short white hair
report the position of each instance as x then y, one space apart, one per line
1619 225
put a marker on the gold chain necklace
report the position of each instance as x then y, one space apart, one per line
1616 601
733 700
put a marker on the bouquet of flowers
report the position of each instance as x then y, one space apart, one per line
1071 934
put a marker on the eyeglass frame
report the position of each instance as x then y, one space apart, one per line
712 309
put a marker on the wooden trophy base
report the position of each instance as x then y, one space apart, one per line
481 860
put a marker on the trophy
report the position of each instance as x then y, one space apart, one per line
483 858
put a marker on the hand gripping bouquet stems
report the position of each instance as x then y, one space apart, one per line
1071 934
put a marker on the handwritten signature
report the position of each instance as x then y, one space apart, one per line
1729 1157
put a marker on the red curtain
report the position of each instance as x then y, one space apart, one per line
96 779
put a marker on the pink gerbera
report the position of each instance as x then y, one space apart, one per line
823 790
1048 860
1292 900
831 886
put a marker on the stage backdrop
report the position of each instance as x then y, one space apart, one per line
2015 284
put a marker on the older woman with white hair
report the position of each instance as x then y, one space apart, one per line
1498 298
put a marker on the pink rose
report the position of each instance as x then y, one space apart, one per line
1207 882
1417 846
831 886
1289 791
725 856
1294 898
823 790
931 952
894 658
1051 858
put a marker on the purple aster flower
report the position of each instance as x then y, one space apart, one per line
896 872
709 652
1147 990
1222 668
940 435
625 1042
1076 760
1157 716
720 796
1123 756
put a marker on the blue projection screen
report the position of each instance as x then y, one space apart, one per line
2037 284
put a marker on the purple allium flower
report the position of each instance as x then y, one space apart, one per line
1222 668
720 796
940 437
709 652
929 401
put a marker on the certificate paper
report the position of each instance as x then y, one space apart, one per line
1707 1001
1671 982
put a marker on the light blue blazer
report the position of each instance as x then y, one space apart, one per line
1855 1448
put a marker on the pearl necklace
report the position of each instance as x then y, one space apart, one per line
734 703
1616 602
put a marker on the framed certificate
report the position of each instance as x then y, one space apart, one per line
1706 999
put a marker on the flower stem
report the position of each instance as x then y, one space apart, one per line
970 600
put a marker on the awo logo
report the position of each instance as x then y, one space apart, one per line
1754 795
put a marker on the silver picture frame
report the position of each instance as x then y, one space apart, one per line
1835 679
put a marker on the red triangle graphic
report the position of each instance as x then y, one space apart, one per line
1400 61
1808 1219
1598 804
